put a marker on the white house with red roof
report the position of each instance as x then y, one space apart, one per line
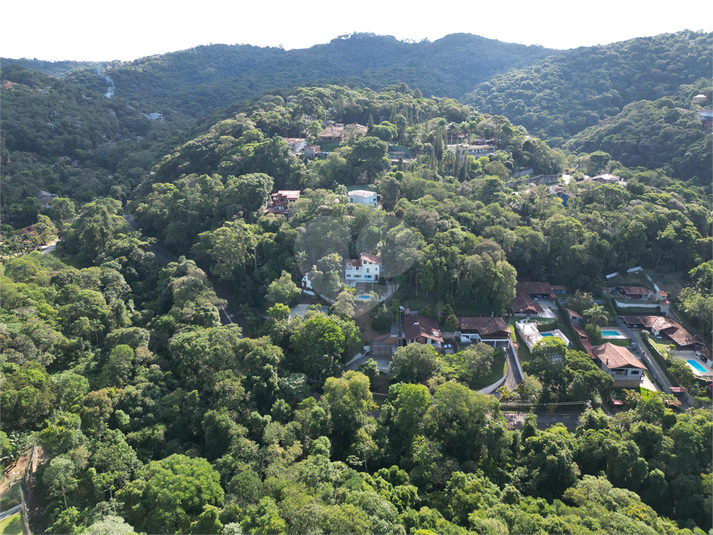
366 268
618 362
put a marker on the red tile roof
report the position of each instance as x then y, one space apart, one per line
485 326
416 326
536 288
581 332
635 290
573 313
614 357
371 258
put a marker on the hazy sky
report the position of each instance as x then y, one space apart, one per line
129 29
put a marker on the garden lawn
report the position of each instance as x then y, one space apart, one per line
12 525
497 370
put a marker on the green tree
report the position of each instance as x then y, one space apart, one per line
549 460
349 399
451 323
279 311
413 364
249 192
168 495
283 290
596 315
468 424
60 477
319 346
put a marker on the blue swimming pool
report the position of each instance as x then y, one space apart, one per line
547 334
611 333
363 297
697 366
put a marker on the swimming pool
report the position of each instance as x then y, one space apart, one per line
547 334
609 332
697 366
363 297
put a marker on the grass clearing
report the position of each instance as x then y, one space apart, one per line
12 525
497 370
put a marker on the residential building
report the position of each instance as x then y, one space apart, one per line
385 345
636 292
528 293
618 362
365 197
483 329
311 151
530 333
297 144
307 283
485 149
46 198
422 330
366 268
663 327
606 178
280 202
574 317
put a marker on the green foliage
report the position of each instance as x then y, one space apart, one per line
169 495
412 364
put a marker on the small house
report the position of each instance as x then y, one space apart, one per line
306 283
422 330
364 197
280 202
574 317
636 292
296 144
46 198
618 362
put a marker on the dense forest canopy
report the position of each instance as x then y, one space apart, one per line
575 89
154 357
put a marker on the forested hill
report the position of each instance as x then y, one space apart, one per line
568 92
197 80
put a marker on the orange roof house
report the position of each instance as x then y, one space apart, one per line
618 362
422 330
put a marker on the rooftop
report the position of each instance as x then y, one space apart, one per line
416 326
484 325
614 356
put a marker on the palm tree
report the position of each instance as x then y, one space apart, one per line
597 316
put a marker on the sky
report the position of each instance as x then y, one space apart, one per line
84 30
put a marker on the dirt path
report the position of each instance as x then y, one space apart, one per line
14 473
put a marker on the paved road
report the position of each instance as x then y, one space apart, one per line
49 247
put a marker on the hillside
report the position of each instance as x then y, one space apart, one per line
568 92
197 80
652 135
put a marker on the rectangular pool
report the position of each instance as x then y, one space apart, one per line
697 366
363 297
609 332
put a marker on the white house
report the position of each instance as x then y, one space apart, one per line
297 144
360 196
366 268
618 362
307 284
